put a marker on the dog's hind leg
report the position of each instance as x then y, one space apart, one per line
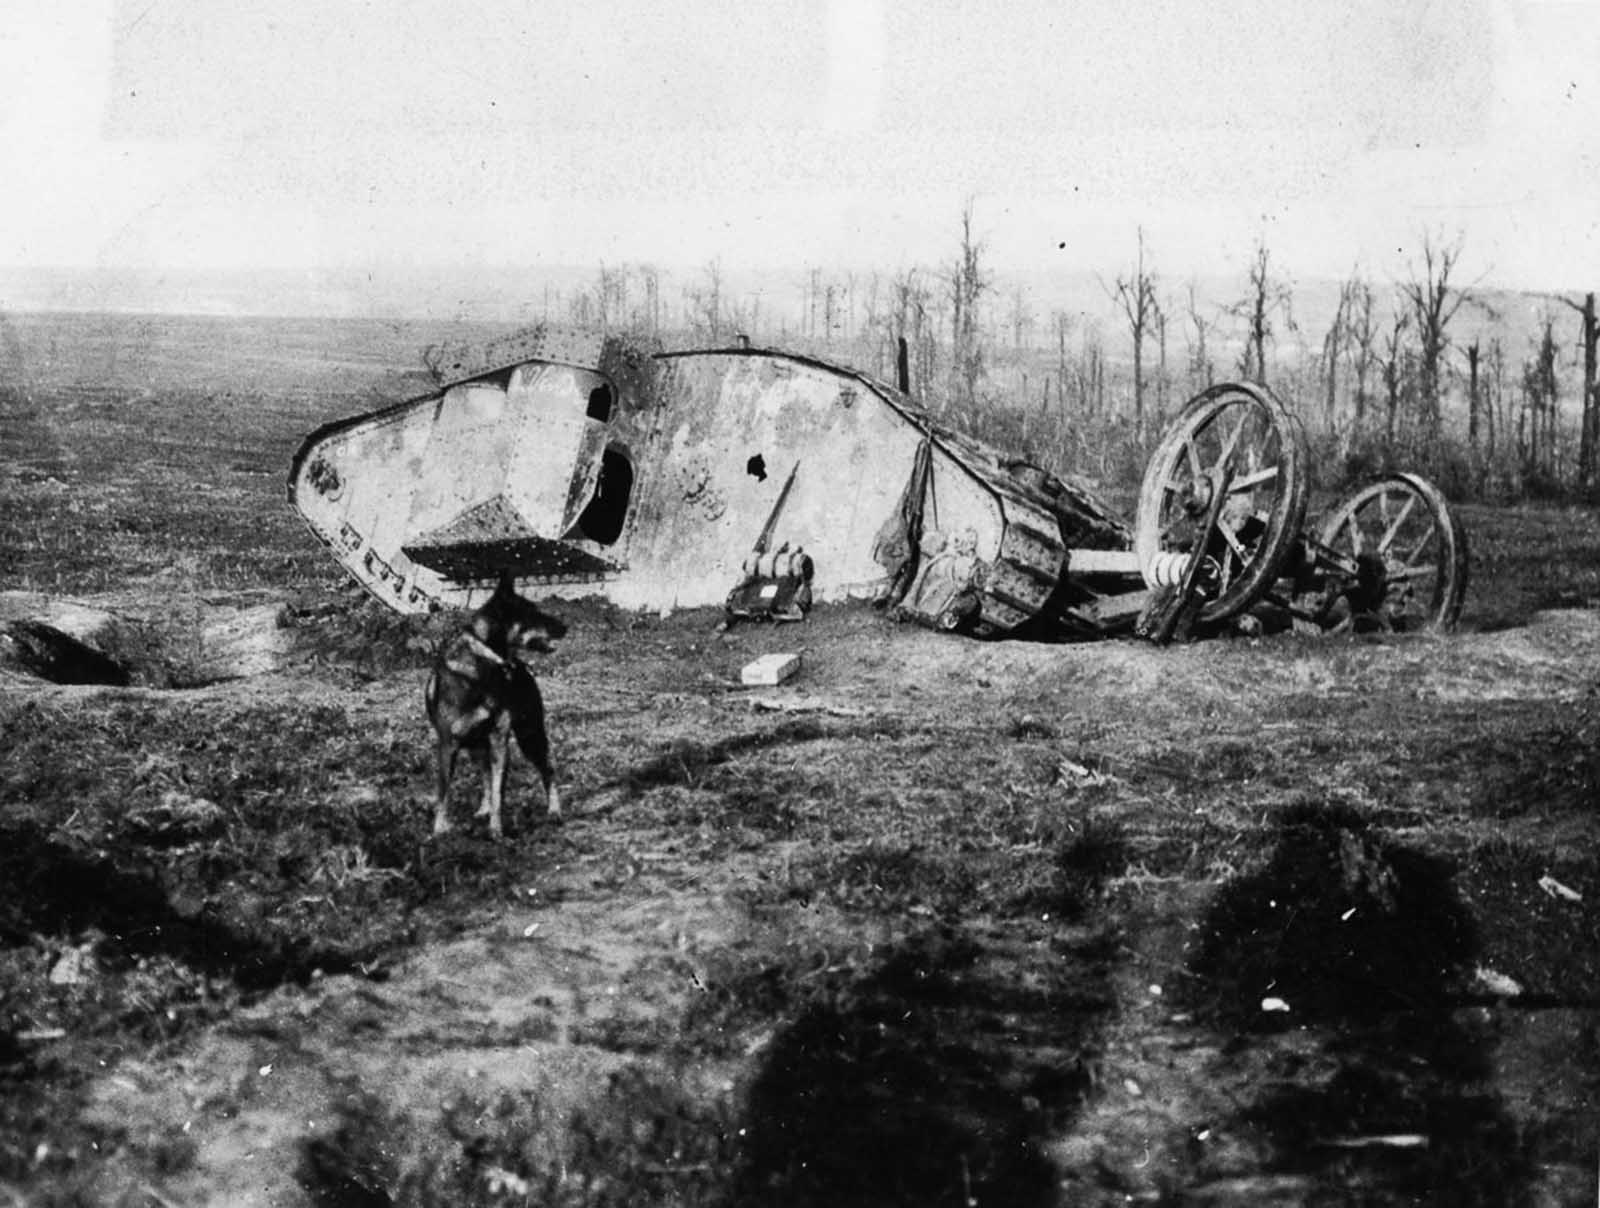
534 741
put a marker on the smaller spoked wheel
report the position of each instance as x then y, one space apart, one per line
1240 440
1402 552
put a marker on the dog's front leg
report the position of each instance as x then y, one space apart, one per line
446 766
494 783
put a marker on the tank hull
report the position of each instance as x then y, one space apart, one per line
596 467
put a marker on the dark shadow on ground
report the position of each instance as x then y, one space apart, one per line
46 652
932 1080
684 762
52 888
1371 949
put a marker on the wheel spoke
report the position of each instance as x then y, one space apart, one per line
1336 558
1394 527
1421 545
1195 469
1355 536
1406 573
1229 444
1231 539
1250 482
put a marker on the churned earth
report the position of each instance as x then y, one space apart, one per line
1287 920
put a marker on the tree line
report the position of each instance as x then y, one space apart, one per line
1423 373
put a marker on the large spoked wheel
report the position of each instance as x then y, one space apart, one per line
1241 440
1403 552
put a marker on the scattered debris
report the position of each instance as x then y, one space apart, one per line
775 585
1070 771
502 1182
1029 726
73 967
1379 1141
1556 889
1492 982
770 670
40 1035
176 818
805 704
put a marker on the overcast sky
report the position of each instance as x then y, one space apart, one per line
776 133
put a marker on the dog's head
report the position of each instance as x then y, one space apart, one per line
512 625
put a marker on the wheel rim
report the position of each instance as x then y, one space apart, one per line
1400 528
1244 429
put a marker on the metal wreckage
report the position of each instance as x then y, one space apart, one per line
763 481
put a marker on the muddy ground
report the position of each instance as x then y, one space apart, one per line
1280 921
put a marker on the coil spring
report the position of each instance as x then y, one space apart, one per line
1166 569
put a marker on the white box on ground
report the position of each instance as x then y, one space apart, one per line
770 669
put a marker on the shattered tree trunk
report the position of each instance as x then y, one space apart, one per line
1473 352
1589 429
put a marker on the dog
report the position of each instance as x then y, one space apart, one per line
481 694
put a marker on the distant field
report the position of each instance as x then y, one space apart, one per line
139 445
1304 920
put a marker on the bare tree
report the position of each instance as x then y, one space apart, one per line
968 283
1536 424
1202 369
1163 378
1361 343
1092 388
1136 296
1495 402
1434 303
813 291
1589 396
1265 299
1396 371
581 308
1474 390
1061 323
647 317
911 319
1333 349
611 297
873 324
706 303
1020 320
